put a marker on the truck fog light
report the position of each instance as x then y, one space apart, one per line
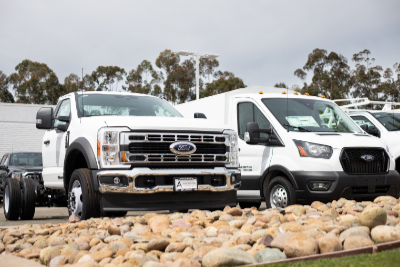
319 185
233 178
117 180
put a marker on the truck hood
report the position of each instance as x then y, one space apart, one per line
339 140
162 123
25 168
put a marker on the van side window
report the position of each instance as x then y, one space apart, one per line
361 120
248 112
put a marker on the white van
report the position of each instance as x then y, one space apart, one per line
297 148
383 123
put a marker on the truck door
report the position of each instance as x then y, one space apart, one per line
254 159
54 146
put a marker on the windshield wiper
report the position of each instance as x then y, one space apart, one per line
298 127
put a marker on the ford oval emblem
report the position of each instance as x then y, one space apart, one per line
182 148
368 158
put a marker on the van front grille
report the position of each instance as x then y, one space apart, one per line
353 163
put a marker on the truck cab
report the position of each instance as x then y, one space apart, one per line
297 148
114 152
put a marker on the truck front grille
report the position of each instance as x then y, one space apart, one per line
352 162
155 148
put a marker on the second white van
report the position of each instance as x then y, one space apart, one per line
297 148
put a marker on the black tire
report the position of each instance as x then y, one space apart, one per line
244 205
12 199
289 198
28 199
90 199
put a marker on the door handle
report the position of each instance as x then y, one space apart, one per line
47 142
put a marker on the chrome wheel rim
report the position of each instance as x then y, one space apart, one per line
6 198
75 199
278 197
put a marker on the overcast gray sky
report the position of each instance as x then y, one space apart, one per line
263 42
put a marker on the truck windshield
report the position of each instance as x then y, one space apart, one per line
310 115
26 159
123 105
390 120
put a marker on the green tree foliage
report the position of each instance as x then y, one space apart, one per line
281 85
331 74
366 78
5 95
221 85
29 82
391 86
53 89
143 79
170 78
107 78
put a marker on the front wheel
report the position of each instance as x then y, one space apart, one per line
83 202
279 193
12 199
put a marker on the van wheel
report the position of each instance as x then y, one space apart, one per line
28 199
12 199
280 193
83 202
244 205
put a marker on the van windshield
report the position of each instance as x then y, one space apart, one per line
390 120
123 105
310 115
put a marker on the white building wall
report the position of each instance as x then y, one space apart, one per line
18 128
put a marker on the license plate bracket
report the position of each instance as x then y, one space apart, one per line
185 184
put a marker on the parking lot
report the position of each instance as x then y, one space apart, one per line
54 215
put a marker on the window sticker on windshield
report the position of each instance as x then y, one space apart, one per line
302 121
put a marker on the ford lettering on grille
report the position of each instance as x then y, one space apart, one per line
368 158
182 148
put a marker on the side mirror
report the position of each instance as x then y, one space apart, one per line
199 116
44 118
252 134
364 127
374 132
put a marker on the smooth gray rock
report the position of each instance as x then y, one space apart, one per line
269 254
227 257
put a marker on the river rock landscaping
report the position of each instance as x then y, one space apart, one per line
230 237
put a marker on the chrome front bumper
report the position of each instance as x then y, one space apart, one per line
135 172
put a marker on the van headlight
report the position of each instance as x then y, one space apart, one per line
108 152
307 149
232 142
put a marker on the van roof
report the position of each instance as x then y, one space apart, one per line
269 91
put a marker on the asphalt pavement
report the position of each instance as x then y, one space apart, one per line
55 215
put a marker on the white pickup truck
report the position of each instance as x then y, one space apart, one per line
298 148
115 151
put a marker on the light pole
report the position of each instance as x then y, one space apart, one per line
198 57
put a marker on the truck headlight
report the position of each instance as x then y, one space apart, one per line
232 141
307 149
108 148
